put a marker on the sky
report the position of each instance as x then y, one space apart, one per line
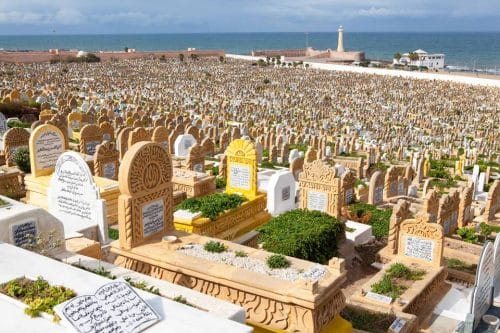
187 16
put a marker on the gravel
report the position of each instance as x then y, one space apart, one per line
228 257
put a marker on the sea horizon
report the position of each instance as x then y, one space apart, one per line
479 50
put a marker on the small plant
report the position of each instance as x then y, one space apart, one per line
220 182
143 286
460 265
240 254
113 233
468 234
277 261
392 283
39 295
214 247
3 202
181 299
104 272
43 243
22 159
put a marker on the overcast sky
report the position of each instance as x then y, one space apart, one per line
157 16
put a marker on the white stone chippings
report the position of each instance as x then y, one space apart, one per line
314 273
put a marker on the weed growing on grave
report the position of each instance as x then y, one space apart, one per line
379 219
393 283
22 159
181 299
214 247
39 295
113 233
277 261
240 254
368 321
143 286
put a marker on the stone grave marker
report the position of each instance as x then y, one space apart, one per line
74 198
195 159
90 137
320 188
3 124
483 286
242 168
46 144
14 139
376 189
182 144
281 193
145 204
421 241
106 160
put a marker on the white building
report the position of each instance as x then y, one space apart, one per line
432 61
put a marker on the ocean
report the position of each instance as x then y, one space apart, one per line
469 50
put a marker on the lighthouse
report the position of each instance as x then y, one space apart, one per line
340 46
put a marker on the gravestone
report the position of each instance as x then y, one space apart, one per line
160 136
3 124
484 283
46 144
107 130
195 159
376 189
242 168
347 182
137 135
182 144
281 193
90 137
74 198
320 188
294 154
14 139
420 241
106 161
23 225
145 204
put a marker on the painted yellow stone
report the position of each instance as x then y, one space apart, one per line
242 168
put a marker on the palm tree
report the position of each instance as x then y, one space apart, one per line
413 56
181 57
194 56
397 56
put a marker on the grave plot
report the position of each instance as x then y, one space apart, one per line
148 243
226 220
414 276
79 298
46 146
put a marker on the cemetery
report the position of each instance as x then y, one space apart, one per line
253 207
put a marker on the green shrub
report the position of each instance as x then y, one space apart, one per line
214 247
487 229
468 234
277 261
220 182
113 233
17 123
379 220
308 235
211 206
267 165
22 159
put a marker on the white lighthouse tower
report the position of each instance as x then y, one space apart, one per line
340 46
